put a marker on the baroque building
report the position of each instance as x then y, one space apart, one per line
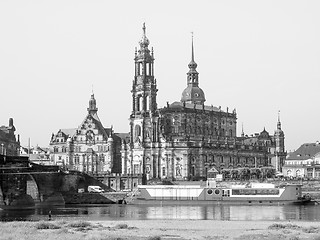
9 145
90 148
187 138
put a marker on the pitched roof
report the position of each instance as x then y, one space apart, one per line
305 151
69 131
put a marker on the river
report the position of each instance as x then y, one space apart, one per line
144 212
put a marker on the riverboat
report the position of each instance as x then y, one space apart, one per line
254 193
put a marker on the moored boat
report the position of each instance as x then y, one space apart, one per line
254 193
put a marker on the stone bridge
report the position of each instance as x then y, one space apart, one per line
23 183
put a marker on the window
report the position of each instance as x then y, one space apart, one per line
137 130
163 171
136 169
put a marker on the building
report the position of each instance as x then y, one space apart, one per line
9 145
90 148
37 155
304 162
187 138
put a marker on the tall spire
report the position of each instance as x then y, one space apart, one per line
192 57
193 93
193 65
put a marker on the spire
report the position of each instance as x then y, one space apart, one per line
242 132
144 29
279 123
192 57
192 65
144 42
193 93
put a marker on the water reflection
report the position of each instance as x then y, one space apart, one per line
134 212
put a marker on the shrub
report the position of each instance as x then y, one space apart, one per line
79 224
283 226
121 226
154 238
46 225
311 229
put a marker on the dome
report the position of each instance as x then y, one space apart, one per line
193 94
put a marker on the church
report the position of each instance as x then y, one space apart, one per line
187 138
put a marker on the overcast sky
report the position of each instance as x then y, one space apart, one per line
256 56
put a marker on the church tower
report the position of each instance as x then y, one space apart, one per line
144 115
193 93
144 94
279 144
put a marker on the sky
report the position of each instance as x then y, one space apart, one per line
259 57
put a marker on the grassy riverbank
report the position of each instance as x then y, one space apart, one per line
160 230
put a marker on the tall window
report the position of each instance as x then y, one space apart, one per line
137 130
136 169
147 102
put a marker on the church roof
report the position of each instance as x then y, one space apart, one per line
193 106
305 151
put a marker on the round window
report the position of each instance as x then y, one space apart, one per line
217 191
209 191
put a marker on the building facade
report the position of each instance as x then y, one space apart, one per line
9 144
90 148
304 162
187 138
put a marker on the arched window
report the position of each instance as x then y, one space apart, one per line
137 131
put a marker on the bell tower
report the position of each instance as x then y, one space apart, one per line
280 152
144 114
144 89
144 94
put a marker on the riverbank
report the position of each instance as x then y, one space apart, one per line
160 230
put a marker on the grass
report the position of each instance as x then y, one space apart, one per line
277 226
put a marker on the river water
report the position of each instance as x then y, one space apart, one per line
145 212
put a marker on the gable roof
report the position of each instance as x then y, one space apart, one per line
98 123
305 151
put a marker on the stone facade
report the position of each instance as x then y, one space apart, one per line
187 138
9 145
304 162
90 148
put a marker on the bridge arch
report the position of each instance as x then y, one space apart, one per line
32 188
